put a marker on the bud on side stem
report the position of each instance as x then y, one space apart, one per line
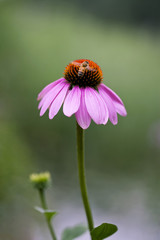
40 181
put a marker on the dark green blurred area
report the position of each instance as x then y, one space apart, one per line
36 43
144 12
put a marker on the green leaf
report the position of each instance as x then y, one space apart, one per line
103 231
48 213
73 232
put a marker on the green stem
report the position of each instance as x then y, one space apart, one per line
44 206
82 180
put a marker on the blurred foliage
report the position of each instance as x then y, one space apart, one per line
36 44
144 12
15 162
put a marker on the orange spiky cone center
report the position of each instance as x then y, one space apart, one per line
84 73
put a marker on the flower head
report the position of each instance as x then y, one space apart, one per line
82 93
40 180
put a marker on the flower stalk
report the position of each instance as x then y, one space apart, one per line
82 179
44 206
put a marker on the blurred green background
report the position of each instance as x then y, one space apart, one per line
37 40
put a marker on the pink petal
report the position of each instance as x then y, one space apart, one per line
49 97
96 106
119 105
62 80
72 101
82 115
57 102
48 88
112 111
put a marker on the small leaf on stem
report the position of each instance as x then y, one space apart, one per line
73 232
47 212
103 231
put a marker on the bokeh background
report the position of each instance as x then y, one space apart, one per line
37 40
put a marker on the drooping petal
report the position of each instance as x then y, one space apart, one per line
57 102
50 96
46 93
119 106
96 106
48 88
72 101
82 116
111 108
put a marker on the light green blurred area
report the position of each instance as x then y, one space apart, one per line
35 47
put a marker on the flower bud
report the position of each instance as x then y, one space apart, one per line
40 180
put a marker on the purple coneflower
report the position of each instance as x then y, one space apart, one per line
82 93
